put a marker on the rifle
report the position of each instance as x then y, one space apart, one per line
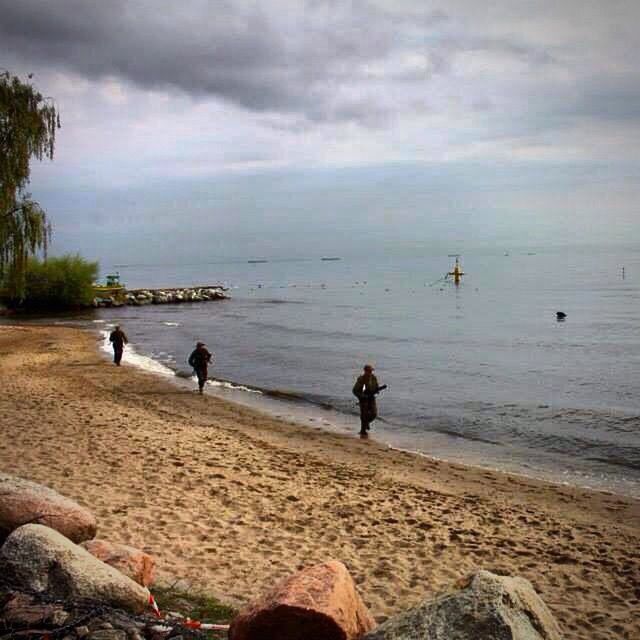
371 394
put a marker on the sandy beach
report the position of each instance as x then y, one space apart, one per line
231 500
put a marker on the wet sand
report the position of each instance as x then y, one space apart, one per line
230 500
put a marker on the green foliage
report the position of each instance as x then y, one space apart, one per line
58 283
28 123
194 605
23 231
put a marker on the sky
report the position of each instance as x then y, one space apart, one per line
200 129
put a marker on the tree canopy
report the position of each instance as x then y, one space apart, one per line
28 124
64 282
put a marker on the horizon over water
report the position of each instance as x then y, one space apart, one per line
480 374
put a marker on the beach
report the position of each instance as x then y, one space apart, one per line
230 500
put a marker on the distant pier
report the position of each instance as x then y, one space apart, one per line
119 297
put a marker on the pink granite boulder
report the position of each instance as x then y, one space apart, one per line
24 611
24 502
136 564
317 603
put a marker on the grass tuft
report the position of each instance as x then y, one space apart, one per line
192 604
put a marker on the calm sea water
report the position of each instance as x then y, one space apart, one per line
482 373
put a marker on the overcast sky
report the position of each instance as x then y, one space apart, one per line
286 127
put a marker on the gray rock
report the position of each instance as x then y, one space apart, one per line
488 607
42 560
99 623
108 634
158 631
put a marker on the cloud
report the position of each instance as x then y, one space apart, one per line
323 61
281 61
159 99
609 98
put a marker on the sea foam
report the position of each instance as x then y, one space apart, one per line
135 359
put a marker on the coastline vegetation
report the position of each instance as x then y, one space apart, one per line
60 283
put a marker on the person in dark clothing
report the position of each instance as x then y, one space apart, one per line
199 360
365 389
118 339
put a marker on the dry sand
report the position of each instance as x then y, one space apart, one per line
232 500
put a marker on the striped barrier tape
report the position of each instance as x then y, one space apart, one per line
196 624
154 606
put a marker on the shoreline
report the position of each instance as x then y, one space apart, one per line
304 412
232 499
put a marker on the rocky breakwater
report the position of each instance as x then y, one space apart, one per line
141 297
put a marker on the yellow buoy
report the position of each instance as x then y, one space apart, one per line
457 272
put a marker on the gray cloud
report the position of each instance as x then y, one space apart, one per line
246 56
317 60
615 98
283 82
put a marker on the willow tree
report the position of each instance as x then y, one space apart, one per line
28 123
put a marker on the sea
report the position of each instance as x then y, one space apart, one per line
482 373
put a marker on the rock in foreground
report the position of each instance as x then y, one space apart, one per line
317 603
24 502
38 559
136 564
22 611
489 607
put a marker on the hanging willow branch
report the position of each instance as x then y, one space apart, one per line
23 231
28 123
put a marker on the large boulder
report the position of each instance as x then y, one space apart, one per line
488 607
24 502
136 564
37 559
317 603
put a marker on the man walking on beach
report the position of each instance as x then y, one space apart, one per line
199 360
118 339
365 389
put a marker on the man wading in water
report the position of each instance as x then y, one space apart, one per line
365 389
118 339
199 360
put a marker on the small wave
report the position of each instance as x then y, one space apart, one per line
132 357
618 462
224 384
98 321
171 324
465 436
219 383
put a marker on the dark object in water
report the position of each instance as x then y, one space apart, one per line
560 315
257 261
330 259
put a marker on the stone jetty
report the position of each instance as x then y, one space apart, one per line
170 295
